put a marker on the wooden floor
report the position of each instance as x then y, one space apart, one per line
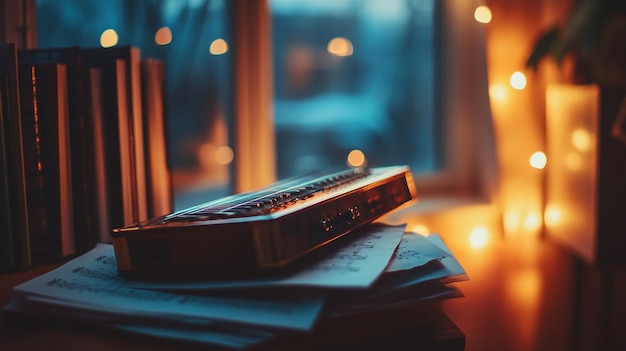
530 294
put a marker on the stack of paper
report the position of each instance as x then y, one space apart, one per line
383 268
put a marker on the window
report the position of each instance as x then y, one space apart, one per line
355 82
396 82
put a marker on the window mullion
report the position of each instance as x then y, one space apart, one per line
253 127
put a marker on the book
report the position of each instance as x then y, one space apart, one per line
86 216
95 57
6 238
99 147
115 128
15 234
158 175
47 162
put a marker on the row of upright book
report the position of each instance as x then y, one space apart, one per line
82 149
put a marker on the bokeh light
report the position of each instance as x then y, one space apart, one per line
109 38
340 47
163 36
218 47
482 14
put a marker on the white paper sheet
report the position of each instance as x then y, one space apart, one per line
413 251
92 280
196 330
446 268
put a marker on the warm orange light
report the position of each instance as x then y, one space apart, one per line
163 36
479 237
420 229
524 287
340 47
538 160
482 14
518 80
497 92
573 161
511 221
224 155
356 158
218 47
532 222
581 138
108 38
205 154
552 215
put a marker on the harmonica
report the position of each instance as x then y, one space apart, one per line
262 231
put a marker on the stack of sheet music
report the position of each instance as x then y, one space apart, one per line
382 269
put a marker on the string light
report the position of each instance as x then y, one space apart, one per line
482 14
518 80
538 160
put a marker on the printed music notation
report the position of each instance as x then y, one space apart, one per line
91 282
414 251
358 263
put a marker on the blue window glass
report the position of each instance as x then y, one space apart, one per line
355 82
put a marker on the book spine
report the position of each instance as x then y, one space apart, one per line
47 162
68 240
158 174
115 121
15 176
103 229
137 147
125 137
130 162
33 166
86 211
7 259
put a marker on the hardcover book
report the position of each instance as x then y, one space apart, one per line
130 56
14 236
158 175
86 220
47 162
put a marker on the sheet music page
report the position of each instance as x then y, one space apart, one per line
355 264
413 251
92 280
198 330
448 268
230 339
428 260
